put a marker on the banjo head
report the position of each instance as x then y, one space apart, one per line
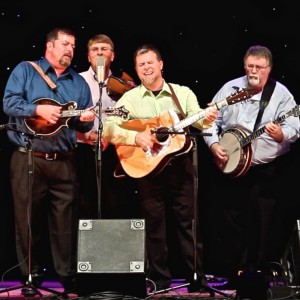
230 140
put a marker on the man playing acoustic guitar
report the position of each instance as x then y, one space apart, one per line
250 144
172 186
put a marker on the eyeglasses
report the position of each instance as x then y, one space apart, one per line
258 68
102 49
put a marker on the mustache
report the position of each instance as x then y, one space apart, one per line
253 80
69 54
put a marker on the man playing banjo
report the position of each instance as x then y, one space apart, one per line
251 152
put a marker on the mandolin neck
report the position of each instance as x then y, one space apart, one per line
71 113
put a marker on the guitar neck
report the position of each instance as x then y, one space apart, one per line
235 98
197 116
188 121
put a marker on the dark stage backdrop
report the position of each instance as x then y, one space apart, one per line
202 43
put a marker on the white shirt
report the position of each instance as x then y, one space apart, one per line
106 101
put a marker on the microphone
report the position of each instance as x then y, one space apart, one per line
100 67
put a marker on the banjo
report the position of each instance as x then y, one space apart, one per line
237 141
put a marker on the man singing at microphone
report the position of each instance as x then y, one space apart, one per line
97 176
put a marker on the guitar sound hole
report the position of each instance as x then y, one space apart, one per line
162 134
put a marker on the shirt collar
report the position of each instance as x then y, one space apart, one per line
165 88
45 65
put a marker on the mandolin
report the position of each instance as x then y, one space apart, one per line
40 126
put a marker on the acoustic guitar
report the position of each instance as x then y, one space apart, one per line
41 127
173 141
237 141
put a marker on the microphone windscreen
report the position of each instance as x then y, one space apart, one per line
100 66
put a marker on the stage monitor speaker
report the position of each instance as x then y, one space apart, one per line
291 258
111 257
251 286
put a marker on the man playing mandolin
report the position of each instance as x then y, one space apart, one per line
250 144
45 192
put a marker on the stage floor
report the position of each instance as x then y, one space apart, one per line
178 290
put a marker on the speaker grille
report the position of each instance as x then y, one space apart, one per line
111 246
111 256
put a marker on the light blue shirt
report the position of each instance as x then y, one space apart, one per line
243 115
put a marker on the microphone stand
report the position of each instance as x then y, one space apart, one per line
29 283
98 151
208 288
195 281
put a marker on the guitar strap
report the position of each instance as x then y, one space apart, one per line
265 98
45 76
175 99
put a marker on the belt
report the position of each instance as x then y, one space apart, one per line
48 156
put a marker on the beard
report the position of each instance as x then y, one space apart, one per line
253 80
65 61
148 81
